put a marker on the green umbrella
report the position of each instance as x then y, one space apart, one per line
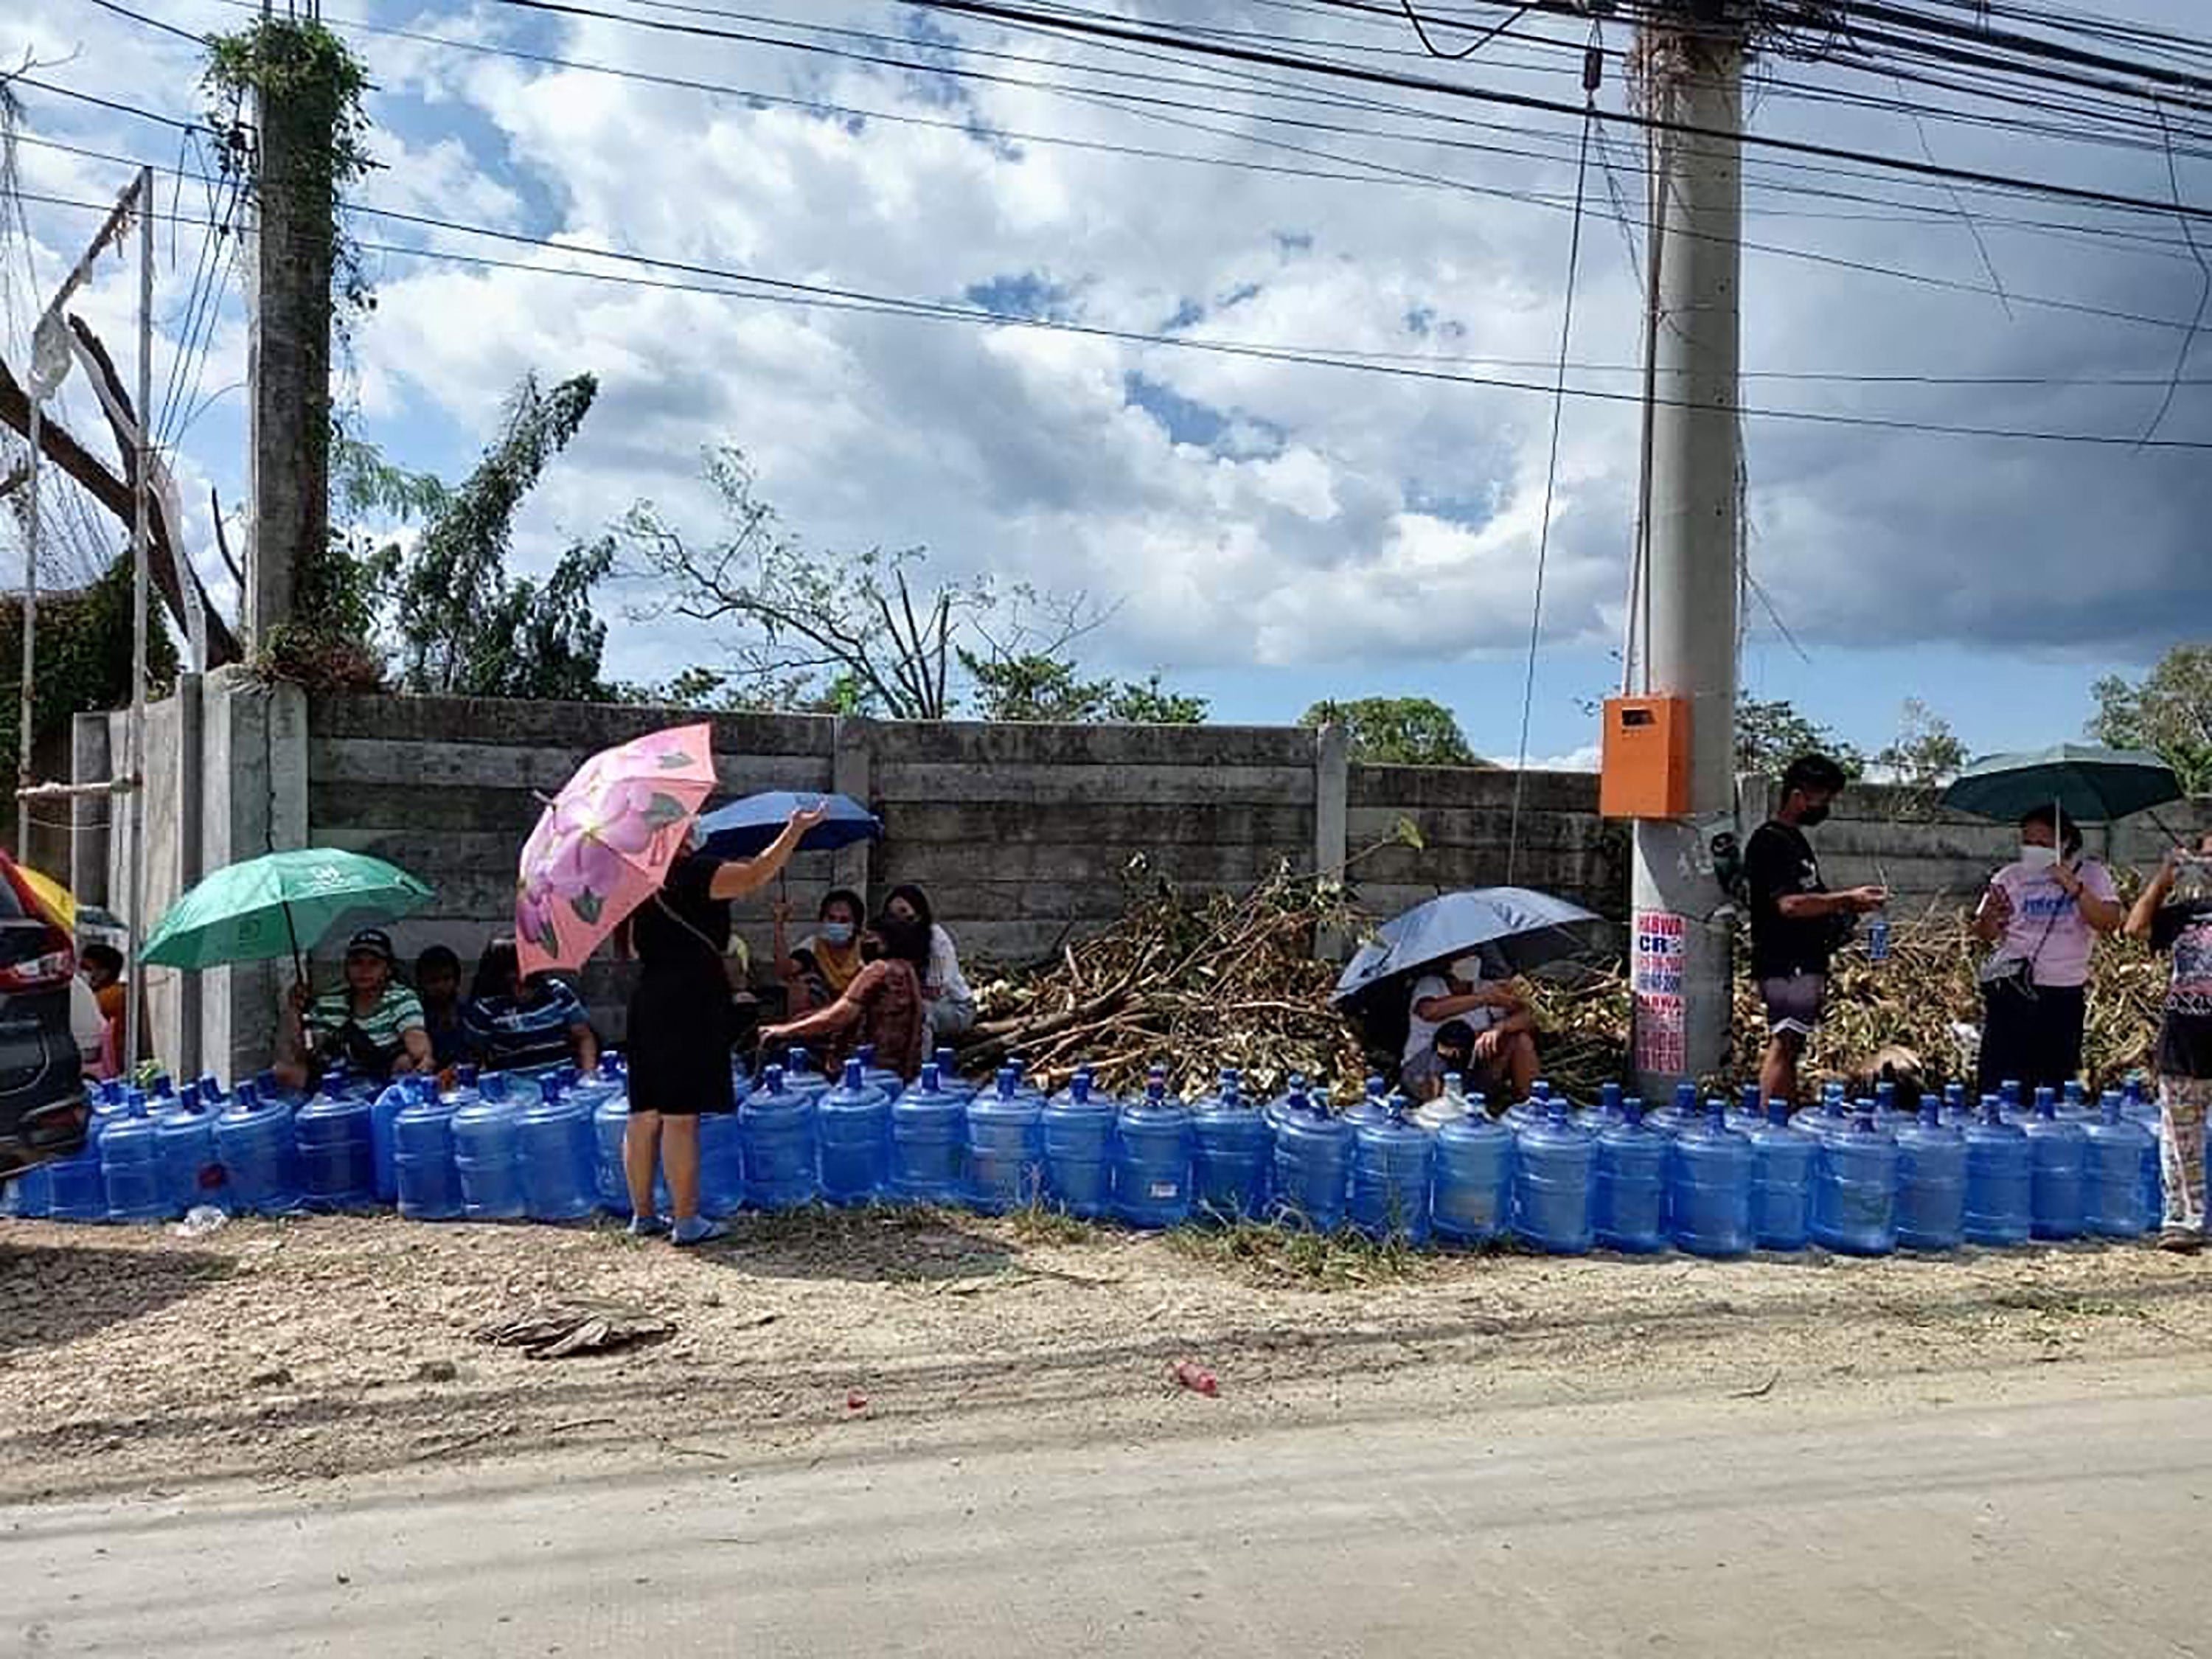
2088 784
274 905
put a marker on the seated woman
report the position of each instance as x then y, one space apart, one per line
1503 1054
515 1024
948 1005
1422 1078
882 1006
816 970
374 1025
438 983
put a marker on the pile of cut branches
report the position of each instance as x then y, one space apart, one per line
1192 982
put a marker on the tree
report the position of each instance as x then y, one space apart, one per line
1770 735
1396 731
2169 713
1925 754
1036 687
868 631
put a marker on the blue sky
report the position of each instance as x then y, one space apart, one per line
1264 533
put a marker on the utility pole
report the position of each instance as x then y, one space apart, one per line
288 346
142 535
1689 591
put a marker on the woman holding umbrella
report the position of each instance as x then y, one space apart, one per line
2043 912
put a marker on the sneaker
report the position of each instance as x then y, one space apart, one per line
2182 1240
646 1226
697 1230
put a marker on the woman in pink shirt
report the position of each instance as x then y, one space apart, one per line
2043 912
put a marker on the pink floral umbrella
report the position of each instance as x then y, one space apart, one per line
605 842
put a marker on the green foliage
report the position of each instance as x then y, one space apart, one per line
1396 731
83 656
466 628
1770 735
1925 754
2168 712
1037 687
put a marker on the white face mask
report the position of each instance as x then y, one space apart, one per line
1468 970
2037 857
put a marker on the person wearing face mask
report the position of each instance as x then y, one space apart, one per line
1500 1028
881 1007
1796 923
2043 912
821 967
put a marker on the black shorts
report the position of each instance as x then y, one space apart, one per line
679 1047
1794 1002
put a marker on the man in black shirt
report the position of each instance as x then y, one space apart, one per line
1796 923
2181 926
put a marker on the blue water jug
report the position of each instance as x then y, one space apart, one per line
721 1166
1152 1159
109 1104
1078 1150
1554 1179
383 1144
426 1181
2138 1108
488 1157
1749 1113
1232 1156
1999 1179
130 1167
1782 1159
2058 1155
799 1077
877 1077
1535 1109
1709 1179
1373 1104
1831 1117
1958 1111
29 1196
949 1080
1931 1182
1295 1095
855 1125
1610 1108
1677 1114
1628 1212
2073 1102
75 1191
2112 1184
1393 1166
1855 1188
777 1126
929 1141
338 1158
1470 1199
2011 1107
721 1190
1313 1164
253 1140
184 1142
555 1155
1006 1146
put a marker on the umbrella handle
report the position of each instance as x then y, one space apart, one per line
299 968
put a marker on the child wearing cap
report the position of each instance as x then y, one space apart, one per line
374 1024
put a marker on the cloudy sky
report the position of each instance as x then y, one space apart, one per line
1268 532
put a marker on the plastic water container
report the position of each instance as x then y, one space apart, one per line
854 1119
929 1141
1749 1113
184 1143
253 1140
1471 1195
1958 1111
1678 1114
1554 1179
1629 1209
488 1157
877 1077
1373 1104
1782 1159
427 1182
777 1126
1078 1150
1831 1117
1006 1146
949 1080
1611 1107
1392 1164
2073 1102
1313 1164
1931 1182
1295 1095
130 1167
2011 1105
75 1191
2138 1108
383 1112
2057 1163
109 1104
30 1195
2112 1196
721 1168
1535 1109
337 1159
1232 1157
799 1077
1152 1159
718 1182
1448 1107
1855 1188
1709 1179
555 1155
2000 1179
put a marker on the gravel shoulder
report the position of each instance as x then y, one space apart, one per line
295 1353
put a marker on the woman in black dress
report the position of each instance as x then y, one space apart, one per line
679 1024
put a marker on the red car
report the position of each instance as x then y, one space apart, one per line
42 1104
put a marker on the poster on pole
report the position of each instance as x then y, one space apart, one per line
1660 946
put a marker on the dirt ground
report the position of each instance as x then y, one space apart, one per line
296 1352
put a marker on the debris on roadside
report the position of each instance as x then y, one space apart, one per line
555 1330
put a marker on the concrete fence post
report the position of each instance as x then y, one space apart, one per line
191 774
90 815
852 772
1332 824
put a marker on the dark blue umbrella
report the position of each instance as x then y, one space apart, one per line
1517 926
745 827
2090 785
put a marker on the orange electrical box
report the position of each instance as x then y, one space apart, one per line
1646 758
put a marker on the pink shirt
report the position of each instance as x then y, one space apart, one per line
2046 926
